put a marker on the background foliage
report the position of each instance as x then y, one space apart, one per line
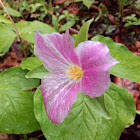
113 22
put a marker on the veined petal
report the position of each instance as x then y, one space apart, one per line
95 82
93 54
59 93
56 51
95 62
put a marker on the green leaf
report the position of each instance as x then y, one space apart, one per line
83 33
87 119
38 72
16 104
4 19
61 17
13 12
16 76
34 7
134 23
138 5
28 29
69 24
74 36
7 37
122 2
30 63
55 22
88 3
129 66
138 112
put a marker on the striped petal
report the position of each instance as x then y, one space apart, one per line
95 61
56 51
93 54
59 93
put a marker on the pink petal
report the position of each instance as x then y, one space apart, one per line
95 82
56 51
93 54
59 93
95 61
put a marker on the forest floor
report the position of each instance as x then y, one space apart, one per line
108 22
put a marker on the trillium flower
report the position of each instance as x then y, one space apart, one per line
84 69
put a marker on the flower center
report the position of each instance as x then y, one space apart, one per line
75 72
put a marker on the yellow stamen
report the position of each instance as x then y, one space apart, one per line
75 72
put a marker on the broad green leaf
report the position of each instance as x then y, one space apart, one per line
13 12
83 33
28 29
7 37
74 36
87 119
128 125
38 72
30 63
129 66
16 76
4 19
22 25
69 24
16 104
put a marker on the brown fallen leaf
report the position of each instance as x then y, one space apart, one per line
132 87
73 9
118 40
138 105
137 44
111 18
3 136
59 1
34 15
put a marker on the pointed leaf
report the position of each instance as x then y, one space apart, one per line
13 12
3 19
30 63
83 33
38 72
129 66
88 3
28 29
67 25
7 37
16 104
89 117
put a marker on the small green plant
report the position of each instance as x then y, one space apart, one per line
132 20
34 7
58 20
102 12
87 3
138 4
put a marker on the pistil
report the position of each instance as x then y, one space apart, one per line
75 72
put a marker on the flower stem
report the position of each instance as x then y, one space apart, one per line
121 7
50 7
22 45
10 18
25 137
